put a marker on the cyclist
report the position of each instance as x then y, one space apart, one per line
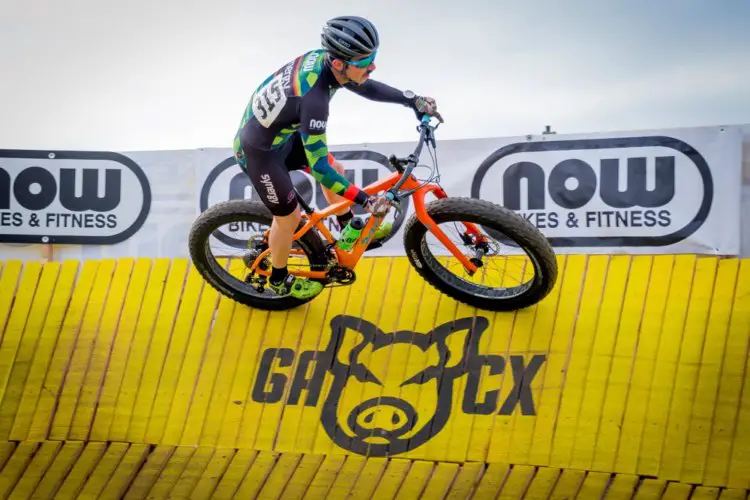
284 128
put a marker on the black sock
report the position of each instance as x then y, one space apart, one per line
344 219
278 274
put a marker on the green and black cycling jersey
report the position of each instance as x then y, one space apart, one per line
295 98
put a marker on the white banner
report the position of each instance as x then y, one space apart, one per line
670 192
92 198
644 192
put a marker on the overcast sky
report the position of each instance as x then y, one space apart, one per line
126 75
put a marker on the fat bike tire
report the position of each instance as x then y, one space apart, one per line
490 216
229 286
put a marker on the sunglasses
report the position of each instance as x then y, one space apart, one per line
363 63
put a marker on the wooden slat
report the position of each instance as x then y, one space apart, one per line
9 274
101 349
156 346
16 325
55 371
683 396
81 355
629 330
660 395
115 371
578 357
20 364
129 383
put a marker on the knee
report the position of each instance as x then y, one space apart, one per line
290 221
337 166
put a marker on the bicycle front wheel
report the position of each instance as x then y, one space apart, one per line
520 284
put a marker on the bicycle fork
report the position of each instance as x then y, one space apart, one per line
429 223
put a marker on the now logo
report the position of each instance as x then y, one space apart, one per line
71 197
317 124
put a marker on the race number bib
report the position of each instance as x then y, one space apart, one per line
269 101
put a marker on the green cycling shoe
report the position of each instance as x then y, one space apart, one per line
377 238
383 231
300 288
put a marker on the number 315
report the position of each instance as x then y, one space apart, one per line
268 102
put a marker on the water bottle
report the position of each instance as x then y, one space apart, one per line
350 233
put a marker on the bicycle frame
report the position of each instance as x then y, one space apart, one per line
398 181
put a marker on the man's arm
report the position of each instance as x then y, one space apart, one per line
380 92
313 132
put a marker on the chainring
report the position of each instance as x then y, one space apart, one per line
339 275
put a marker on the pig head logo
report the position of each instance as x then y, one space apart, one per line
392 392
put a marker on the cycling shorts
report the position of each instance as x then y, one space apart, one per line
269 173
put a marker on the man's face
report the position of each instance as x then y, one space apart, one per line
359 70
359 75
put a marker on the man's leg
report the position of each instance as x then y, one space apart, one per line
280 238
273 184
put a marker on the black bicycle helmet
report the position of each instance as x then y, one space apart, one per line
349 37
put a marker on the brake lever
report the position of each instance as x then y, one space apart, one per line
396 163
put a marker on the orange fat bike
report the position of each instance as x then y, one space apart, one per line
483 229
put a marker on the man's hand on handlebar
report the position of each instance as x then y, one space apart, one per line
378 205
428 106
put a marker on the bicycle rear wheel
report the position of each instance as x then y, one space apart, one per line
476 291
255 215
